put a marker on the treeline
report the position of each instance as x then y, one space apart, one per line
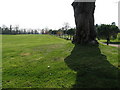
15 30
62 33
103 31
107 31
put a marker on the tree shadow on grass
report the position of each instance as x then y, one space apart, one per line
93 69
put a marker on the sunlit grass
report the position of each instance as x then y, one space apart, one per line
40 61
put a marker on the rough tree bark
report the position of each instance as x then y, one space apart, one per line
84 20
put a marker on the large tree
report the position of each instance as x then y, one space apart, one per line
84 20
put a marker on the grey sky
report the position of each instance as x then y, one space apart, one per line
51 13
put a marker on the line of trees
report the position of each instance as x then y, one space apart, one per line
65 32
105 31
15 30
62 33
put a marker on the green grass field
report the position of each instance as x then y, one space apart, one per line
44 61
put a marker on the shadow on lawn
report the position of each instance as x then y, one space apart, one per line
92 67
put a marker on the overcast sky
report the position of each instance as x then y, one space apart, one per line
51 13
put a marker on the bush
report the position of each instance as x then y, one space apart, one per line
118 36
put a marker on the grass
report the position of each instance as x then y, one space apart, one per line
44 61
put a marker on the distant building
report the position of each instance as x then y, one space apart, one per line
119 14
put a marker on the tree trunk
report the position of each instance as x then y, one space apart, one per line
84 20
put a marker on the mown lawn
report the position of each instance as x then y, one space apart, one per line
44 61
